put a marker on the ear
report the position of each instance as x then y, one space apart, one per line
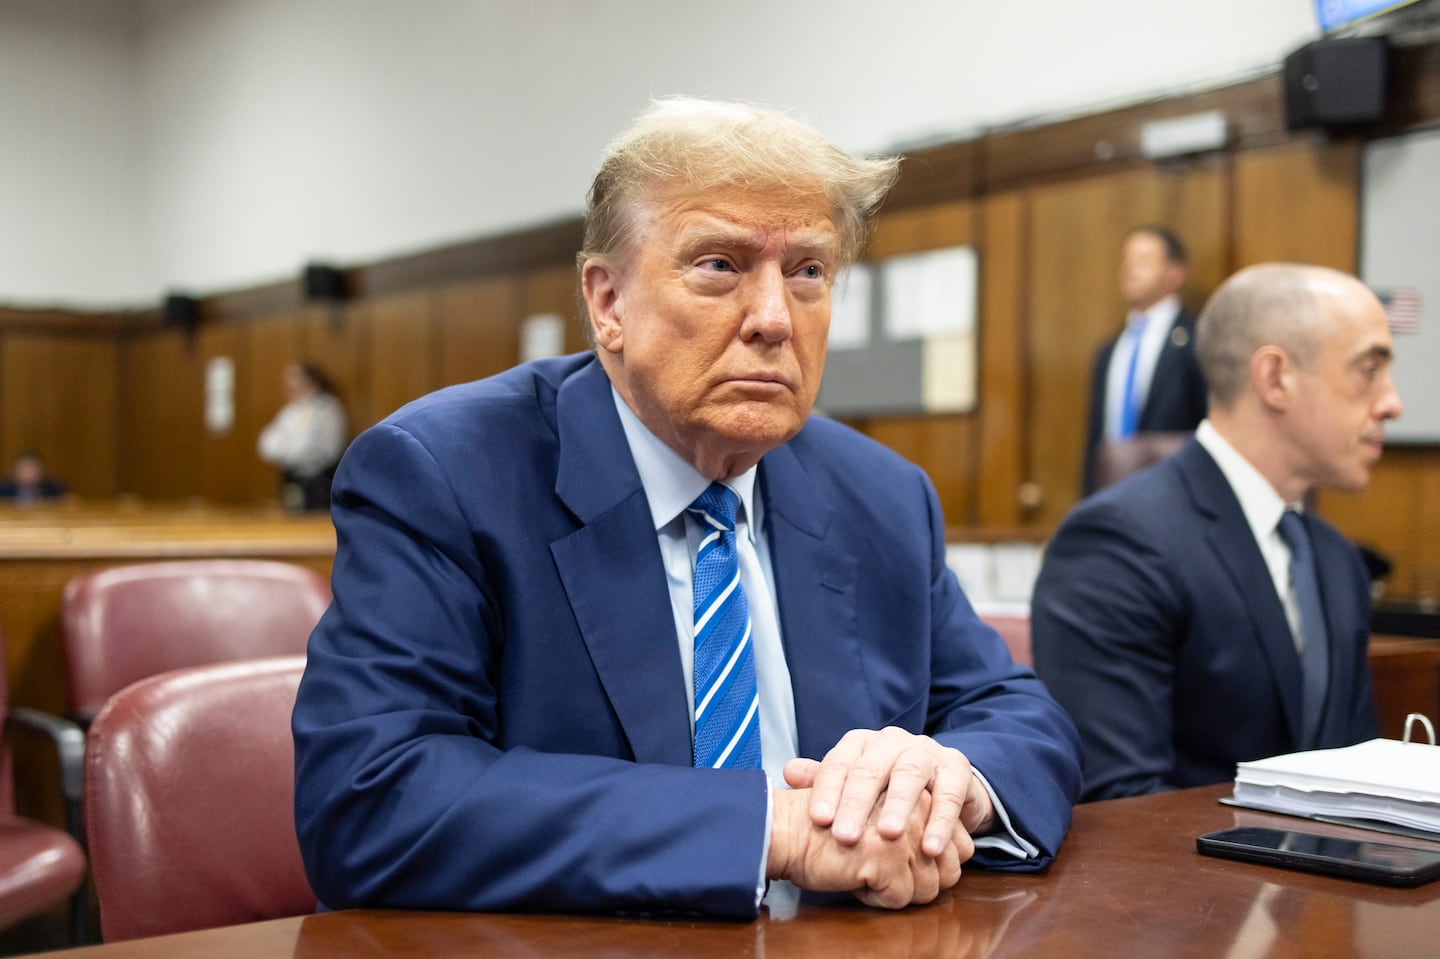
1272 376
600 283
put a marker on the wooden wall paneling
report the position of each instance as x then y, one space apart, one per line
336 337
267 348
944 444
479 327
224 456
1398 515
555 289
161 403
1077 228
1298 203
59 394
1004 383
401 350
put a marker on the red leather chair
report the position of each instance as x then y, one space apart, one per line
40 866
122 624
189 800
1013 625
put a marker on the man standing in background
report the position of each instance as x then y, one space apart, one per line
1147 379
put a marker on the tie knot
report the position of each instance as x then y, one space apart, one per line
1293 532
716 507
1136 323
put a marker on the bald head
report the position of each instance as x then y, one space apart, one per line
1288 305
1297 359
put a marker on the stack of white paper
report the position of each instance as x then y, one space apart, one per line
1382 780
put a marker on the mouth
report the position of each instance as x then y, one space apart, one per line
762 379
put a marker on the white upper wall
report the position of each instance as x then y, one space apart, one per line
207 145
71 227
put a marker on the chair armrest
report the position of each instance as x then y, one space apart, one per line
69 742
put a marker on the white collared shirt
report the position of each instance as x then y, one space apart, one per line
1159 320
1263 508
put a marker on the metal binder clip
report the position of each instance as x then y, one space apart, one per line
1424 723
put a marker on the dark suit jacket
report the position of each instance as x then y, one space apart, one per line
1177 399
494 717
1155 622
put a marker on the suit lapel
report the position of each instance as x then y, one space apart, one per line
613 575
815 595
1230 539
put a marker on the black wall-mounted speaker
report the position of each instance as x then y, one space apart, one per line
1336 82
324 282
182 311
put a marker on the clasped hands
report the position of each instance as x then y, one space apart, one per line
886 815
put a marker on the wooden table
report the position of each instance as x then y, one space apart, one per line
1128 882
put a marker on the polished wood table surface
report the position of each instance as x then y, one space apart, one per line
1127 883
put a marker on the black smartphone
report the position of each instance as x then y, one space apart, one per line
1378 862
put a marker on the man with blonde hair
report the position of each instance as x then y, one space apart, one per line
632 630
1196 614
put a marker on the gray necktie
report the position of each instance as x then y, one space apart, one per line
1314 658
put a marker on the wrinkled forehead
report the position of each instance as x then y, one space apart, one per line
745 214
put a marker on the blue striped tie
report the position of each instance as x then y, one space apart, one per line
1314 655
727 706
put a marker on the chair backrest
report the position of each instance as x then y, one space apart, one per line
1117 459
127 622
1013 627
7 776
189 800
40 866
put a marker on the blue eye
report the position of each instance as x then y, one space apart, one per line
719 264
813 271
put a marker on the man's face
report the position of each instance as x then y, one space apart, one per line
1146 276
713 325
28 472
1337 425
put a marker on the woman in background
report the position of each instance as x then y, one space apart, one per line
306 438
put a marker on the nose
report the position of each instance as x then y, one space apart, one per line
767 306
1388 407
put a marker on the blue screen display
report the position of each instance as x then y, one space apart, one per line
1339 13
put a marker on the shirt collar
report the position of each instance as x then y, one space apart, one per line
671 484
1262 506
1162 314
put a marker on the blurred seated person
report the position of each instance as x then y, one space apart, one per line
306 438
1195 614
28 482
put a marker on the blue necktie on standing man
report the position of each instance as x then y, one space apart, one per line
1129 400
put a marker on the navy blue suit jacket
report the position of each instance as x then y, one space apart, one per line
1177 399
1155 622
493 715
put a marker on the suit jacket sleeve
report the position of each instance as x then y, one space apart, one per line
1103 620
1001 717
405 796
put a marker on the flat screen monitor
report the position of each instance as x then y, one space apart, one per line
1334 14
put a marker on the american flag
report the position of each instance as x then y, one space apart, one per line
1402 308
